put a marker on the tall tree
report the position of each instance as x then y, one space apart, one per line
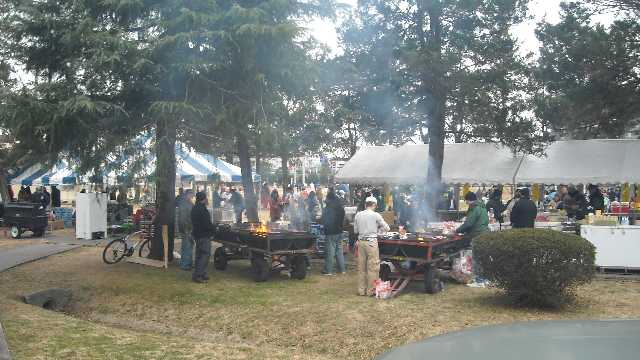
441 69
105 72
589 76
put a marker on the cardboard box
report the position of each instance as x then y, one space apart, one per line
56 225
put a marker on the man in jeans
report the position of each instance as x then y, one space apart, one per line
202 231
185 228
332 219
367 225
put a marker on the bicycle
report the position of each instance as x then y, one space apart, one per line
117 249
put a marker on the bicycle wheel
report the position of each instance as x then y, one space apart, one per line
145 249
114 251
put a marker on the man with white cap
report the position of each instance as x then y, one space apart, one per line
367 225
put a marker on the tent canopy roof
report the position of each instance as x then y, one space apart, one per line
566 162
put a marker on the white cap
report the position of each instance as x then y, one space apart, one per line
371 199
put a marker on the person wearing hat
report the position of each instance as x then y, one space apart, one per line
476 223
367 224
524 212
477 220
202 231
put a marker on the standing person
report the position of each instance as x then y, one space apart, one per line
179 197
55 197
274 205
238 205
477 220
185 228
312 207
524 212
476 223
596 199
265 196
46 198
507 212
202 231
495 204
332 220
367 225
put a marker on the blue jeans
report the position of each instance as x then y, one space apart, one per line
203 253
186 252
333 248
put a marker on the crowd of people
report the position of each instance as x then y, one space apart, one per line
40 196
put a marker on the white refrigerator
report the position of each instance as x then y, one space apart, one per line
91 215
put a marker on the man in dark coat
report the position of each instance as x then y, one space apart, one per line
202 231
524 212
332 220
495 203
55 197
596 199
238 205
46 198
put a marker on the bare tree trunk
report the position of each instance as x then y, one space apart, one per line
3 186
250 200
165 186
228 157
437 90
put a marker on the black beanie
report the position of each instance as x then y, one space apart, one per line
200 196
470 196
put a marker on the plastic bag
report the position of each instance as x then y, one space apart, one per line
383 289
462 269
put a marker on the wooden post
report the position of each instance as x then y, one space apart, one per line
165 245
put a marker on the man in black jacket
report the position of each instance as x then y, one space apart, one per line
596 199
524 212
202 231
332 219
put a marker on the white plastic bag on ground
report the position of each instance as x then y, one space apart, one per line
383 289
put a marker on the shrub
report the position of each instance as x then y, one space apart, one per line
535 267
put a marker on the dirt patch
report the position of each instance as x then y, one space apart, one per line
320 317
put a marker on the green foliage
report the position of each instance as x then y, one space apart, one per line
590 76
441 66
535 267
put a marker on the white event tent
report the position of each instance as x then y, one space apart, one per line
565 162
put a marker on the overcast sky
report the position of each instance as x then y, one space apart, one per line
325 31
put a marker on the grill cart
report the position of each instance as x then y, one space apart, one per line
22 216
416 258
270 250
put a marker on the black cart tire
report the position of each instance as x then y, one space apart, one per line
38 232
298 268
220 260
385 272
432 284
145 249
16 232
114 251
260 269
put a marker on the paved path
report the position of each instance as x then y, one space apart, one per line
4 348
532 340
25 254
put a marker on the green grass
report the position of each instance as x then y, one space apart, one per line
131 311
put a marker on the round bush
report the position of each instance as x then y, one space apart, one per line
535 267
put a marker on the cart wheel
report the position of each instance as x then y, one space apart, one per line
432 284
114 251
16 232
385 272
145 249
298 268
260 269
38 232
220 259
